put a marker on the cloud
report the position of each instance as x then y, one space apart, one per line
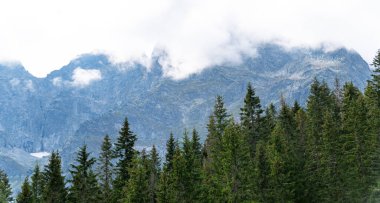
14 82
57 81
83 77
29 86
44 35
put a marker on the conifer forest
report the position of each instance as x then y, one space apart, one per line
325 151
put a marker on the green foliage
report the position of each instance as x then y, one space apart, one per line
124 153
250 118
25 196
137 189
84 186
105 169
54 181
37 185
5 188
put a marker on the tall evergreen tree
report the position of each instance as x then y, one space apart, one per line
137 189
282 156
170 147
236 166
54 189
360 147
372 98
318 103
25 196
84 186
154 174
261 173
268 122
250 116
166 182
37 185
124 153
5 188
105 169
212 151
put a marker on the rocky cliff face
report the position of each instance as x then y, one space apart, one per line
90 97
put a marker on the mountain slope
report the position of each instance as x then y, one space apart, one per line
90 97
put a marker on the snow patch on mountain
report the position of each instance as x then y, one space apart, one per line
40 155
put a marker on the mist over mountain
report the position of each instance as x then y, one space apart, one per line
91 96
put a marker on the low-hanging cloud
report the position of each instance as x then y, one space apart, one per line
44 35
83 77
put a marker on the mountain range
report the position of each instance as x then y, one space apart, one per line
90 97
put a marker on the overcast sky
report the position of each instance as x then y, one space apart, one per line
46 34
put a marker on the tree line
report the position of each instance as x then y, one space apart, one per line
327 151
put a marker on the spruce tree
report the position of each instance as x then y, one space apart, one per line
25 196
124 153
261 173
283 161
250 116
191 155
84 186
37 184
154 174
372 99
105 169
54 189
166 181
268 122
360 147
137 189
319 101
170 147
236 166
5 188
218 121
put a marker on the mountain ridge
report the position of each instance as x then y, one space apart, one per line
90 96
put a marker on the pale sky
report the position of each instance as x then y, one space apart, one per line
44 35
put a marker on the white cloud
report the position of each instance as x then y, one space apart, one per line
57 81
45 34
83 77
14 82
29 85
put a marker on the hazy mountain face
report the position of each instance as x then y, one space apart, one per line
90 97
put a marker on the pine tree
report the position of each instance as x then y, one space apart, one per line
283 160
37 184
170 147
236 166
219 120
5 188
105 169
261 173
268 122
169 187
360 147
178 187
84 186
250 116
54 189
154 174
124 153
319 101
166 181
372 99
191 155
137 189
25 196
